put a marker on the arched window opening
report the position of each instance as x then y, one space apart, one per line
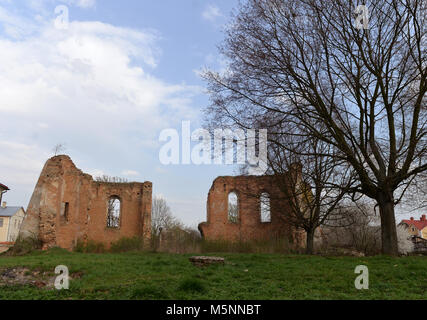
265 207
113 217
233 207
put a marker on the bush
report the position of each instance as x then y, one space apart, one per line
275 245
89 247
187 240
128 244
57 251
24 246
355 228
177 240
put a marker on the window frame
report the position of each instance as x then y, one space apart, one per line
109 224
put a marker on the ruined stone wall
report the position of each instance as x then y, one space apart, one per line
68 205
249 225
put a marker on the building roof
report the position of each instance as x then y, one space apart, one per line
2 186
419 224
9 211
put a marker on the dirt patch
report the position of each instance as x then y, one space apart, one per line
24 276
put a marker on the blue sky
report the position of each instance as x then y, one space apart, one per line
106 86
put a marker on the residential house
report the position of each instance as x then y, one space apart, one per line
416 227
10 221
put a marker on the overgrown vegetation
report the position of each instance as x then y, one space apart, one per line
24 246
135 275
127 244
266 246
89 247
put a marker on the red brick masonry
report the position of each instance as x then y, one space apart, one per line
249 225
62 185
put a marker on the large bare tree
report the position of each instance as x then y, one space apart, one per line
313 62
311 181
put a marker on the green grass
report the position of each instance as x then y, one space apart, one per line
245 276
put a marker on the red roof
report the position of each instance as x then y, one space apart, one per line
4 187
419 224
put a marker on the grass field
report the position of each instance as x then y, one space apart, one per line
244 276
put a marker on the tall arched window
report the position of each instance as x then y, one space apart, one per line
233 207
265 207
113 217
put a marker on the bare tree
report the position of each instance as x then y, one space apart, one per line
59 148
109 179
161 216
311 181
113 214
417 194
358 227
307 62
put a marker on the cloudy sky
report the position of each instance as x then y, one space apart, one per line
106 84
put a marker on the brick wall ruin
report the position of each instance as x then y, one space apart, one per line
248 225
67 205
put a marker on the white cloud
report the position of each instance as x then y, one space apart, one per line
42 125
15 26
90 86
95 172
85 3
20 166
218 63
211 13
130 173
88 75
40 5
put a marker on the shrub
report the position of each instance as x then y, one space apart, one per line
177 240
356 228
89 247
24 246
279 245
57 251
128 244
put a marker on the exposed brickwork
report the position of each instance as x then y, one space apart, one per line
249 225
85 219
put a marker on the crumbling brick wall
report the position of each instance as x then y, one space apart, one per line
249 226
67 205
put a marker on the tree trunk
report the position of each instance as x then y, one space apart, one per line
388 225
310 242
